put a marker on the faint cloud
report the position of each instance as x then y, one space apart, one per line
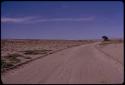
28 20
63 19
16 20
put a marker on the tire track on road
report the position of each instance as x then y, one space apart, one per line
111 57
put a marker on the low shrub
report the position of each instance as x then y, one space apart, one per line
34 52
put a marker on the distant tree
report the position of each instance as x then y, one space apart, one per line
105 38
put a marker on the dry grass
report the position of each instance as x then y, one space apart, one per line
35 52
10 60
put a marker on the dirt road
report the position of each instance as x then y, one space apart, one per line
79 65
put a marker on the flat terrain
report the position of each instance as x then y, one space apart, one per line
19 51
81 64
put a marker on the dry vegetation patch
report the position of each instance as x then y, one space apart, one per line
12 60
9 61
35 52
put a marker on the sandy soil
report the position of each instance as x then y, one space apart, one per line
115 51
84 64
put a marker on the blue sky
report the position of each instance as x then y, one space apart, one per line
61 19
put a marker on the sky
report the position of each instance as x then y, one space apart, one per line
72 20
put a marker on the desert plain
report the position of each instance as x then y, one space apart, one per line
62 61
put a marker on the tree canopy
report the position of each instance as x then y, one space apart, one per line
105 38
